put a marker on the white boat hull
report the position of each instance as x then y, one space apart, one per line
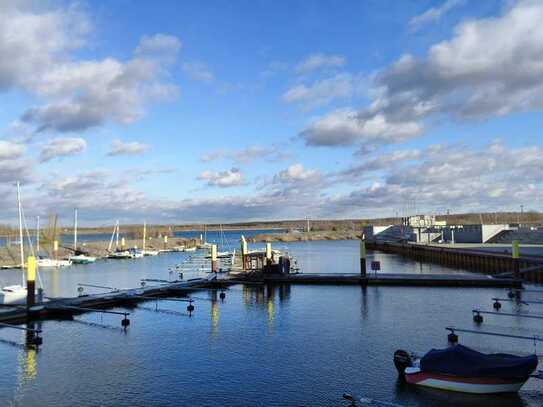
52 263
82 259
479 385
13 295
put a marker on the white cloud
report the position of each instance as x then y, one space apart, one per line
159 45
119 147
272 153
321 92
346 127
198 71
433 14
222 179
490 67
62 147
319 61
296 173
10 150
37 55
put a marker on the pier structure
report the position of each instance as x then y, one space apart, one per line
526 268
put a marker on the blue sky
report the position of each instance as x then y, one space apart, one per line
225 111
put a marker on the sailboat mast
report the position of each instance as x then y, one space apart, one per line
21 243
117 236
75 230
38 234
144 235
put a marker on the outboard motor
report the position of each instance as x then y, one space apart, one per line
402 360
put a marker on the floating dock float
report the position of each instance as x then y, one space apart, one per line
399 279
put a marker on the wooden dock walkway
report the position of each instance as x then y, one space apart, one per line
398 279
118 298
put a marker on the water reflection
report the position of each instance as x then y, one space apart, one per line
214 313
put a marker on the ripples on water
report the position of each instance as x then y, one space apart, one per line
262 346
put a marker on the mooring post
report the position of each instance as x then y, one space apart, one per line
214 258
515 250
30 282
55 248
244 252
268 255
122 243
363 256
165 241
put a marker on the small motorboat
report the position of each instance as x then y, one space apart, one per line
13 294
149 252
135 253
82 259
190 249
120 254
459 368
46 262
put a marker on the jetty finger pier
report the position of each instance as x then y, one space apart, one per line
268 266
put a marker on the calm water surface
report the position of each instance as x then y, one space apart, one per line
262 346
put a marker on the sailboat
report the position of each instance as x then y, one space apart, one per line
203 242
79 257
118 253
16 294
147 252
47 262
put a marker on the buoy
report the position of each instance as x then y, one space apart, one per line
125 322
190 308
80 290
142 283
452 338
478 318
497 305
222 295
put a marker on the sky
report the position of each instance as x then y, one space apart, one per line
227 111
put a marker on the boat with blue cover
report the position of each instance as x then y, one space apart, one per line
459 368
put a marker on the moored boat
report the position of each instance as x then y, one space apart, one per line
461 369
82 259
46 262
120 254
13 294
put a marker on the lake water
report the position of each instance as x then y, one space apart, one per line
262 346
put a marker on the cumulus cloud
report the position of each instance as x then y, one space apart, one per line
490 67
62 147
492 177
222 179
10 150
119 147
37 55
345 127
249 154
321 92
198 71
319 61
159 45
433 14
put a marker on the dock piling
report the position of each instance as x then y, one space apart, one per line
214 258
30 282
363 256
268 254
515 251
244 252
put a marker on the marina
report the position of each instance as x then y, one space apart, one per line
79 297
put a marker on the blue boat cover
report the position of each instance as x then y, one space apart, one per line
462 361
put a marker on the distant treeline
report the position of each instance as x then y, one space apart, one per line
136 231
